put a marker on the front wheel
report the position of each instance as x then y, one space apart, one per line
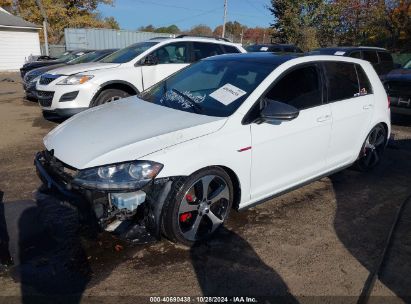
199 207
109 95
372 149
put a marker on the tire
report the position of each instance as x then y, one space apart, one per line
108 96
372 149
188 217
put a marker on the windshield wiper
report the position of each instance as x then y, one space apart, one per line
190 101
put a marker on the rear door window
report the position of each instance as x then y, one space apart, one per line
342 81
370 56
300 88
203 50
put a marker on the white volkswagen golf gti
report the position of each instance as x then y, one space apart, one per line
230 131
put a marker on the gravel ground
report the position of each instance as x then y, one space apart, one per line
316 244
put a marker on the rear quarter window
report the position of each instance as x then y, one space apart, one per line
370 56
342 82
385 56
364 82
230 49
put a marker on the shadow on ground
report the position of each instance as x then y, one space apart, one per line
227 265
366 207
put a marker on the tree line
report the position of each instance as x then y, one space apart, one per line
235 31
321 23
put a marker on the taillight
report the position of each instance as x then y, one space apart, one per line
389 101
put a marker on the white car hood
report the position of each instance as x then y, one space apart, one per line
82 67
125 130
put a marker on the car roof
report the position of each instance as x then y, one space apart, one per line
348 49
191 38
268 58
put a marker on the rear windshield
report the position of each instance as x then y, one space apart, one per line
129 53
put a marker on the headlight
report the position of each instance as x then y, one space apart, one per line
35 79
76 79
125 176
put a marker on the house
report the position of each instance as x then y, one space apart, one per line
18 40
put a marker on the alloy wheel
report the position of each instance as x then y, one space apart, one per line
204 207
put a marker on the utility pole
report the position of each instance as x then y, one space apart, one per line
242 34
43 13
225 18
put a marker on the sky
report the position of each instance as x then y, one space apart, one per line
131 14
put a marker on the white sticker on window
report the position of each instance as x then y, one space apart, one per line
264 48
339 53
227 94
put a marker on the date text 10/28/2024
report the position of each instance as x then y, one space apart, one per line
203 300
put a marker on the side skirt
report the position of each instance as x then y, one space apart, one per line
293 188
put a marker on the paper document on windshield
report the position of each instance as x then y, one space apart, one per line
227 94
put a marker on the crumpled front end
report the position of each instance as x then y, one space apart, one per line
132 215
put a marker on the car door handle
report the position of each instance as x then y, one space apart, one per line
323 118
367 107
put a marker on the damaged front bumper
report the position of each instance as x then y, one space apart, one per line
141 224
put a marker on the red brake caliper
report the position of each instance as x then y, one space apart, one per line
186 216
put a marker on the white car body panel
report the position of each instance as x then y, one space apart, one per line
280 157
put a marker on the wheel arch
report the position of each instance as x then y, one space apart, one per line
116 84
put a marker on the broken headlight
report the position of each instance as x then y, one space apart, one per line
117 177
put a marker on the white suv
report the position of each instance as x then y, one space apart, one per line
68 90
228 131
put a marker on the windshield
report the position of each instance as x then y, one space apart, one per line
209 87
408 65
128 53
89 57
67 57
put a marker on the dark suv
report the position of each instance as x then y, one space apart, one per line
380 58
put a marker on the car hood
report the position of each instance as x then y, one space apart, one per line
399 74
125 130
42 70
37 64
83 67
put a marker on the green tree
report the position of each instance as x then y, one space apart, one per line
172 29
201 30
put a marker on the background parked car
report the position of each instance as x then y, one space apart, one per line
30 79
66 57
380 58
71 89
398 86
275 48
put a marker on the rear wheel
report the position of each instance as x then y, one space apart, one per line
199 207
109 95
372 149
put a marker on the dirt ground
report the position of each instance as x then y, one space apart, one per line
316 244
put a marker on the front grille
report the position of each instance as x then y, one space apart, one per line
47 78
45 98
398 88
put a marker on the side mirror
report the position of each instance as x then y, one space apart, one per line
150 60
275 110
397 66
